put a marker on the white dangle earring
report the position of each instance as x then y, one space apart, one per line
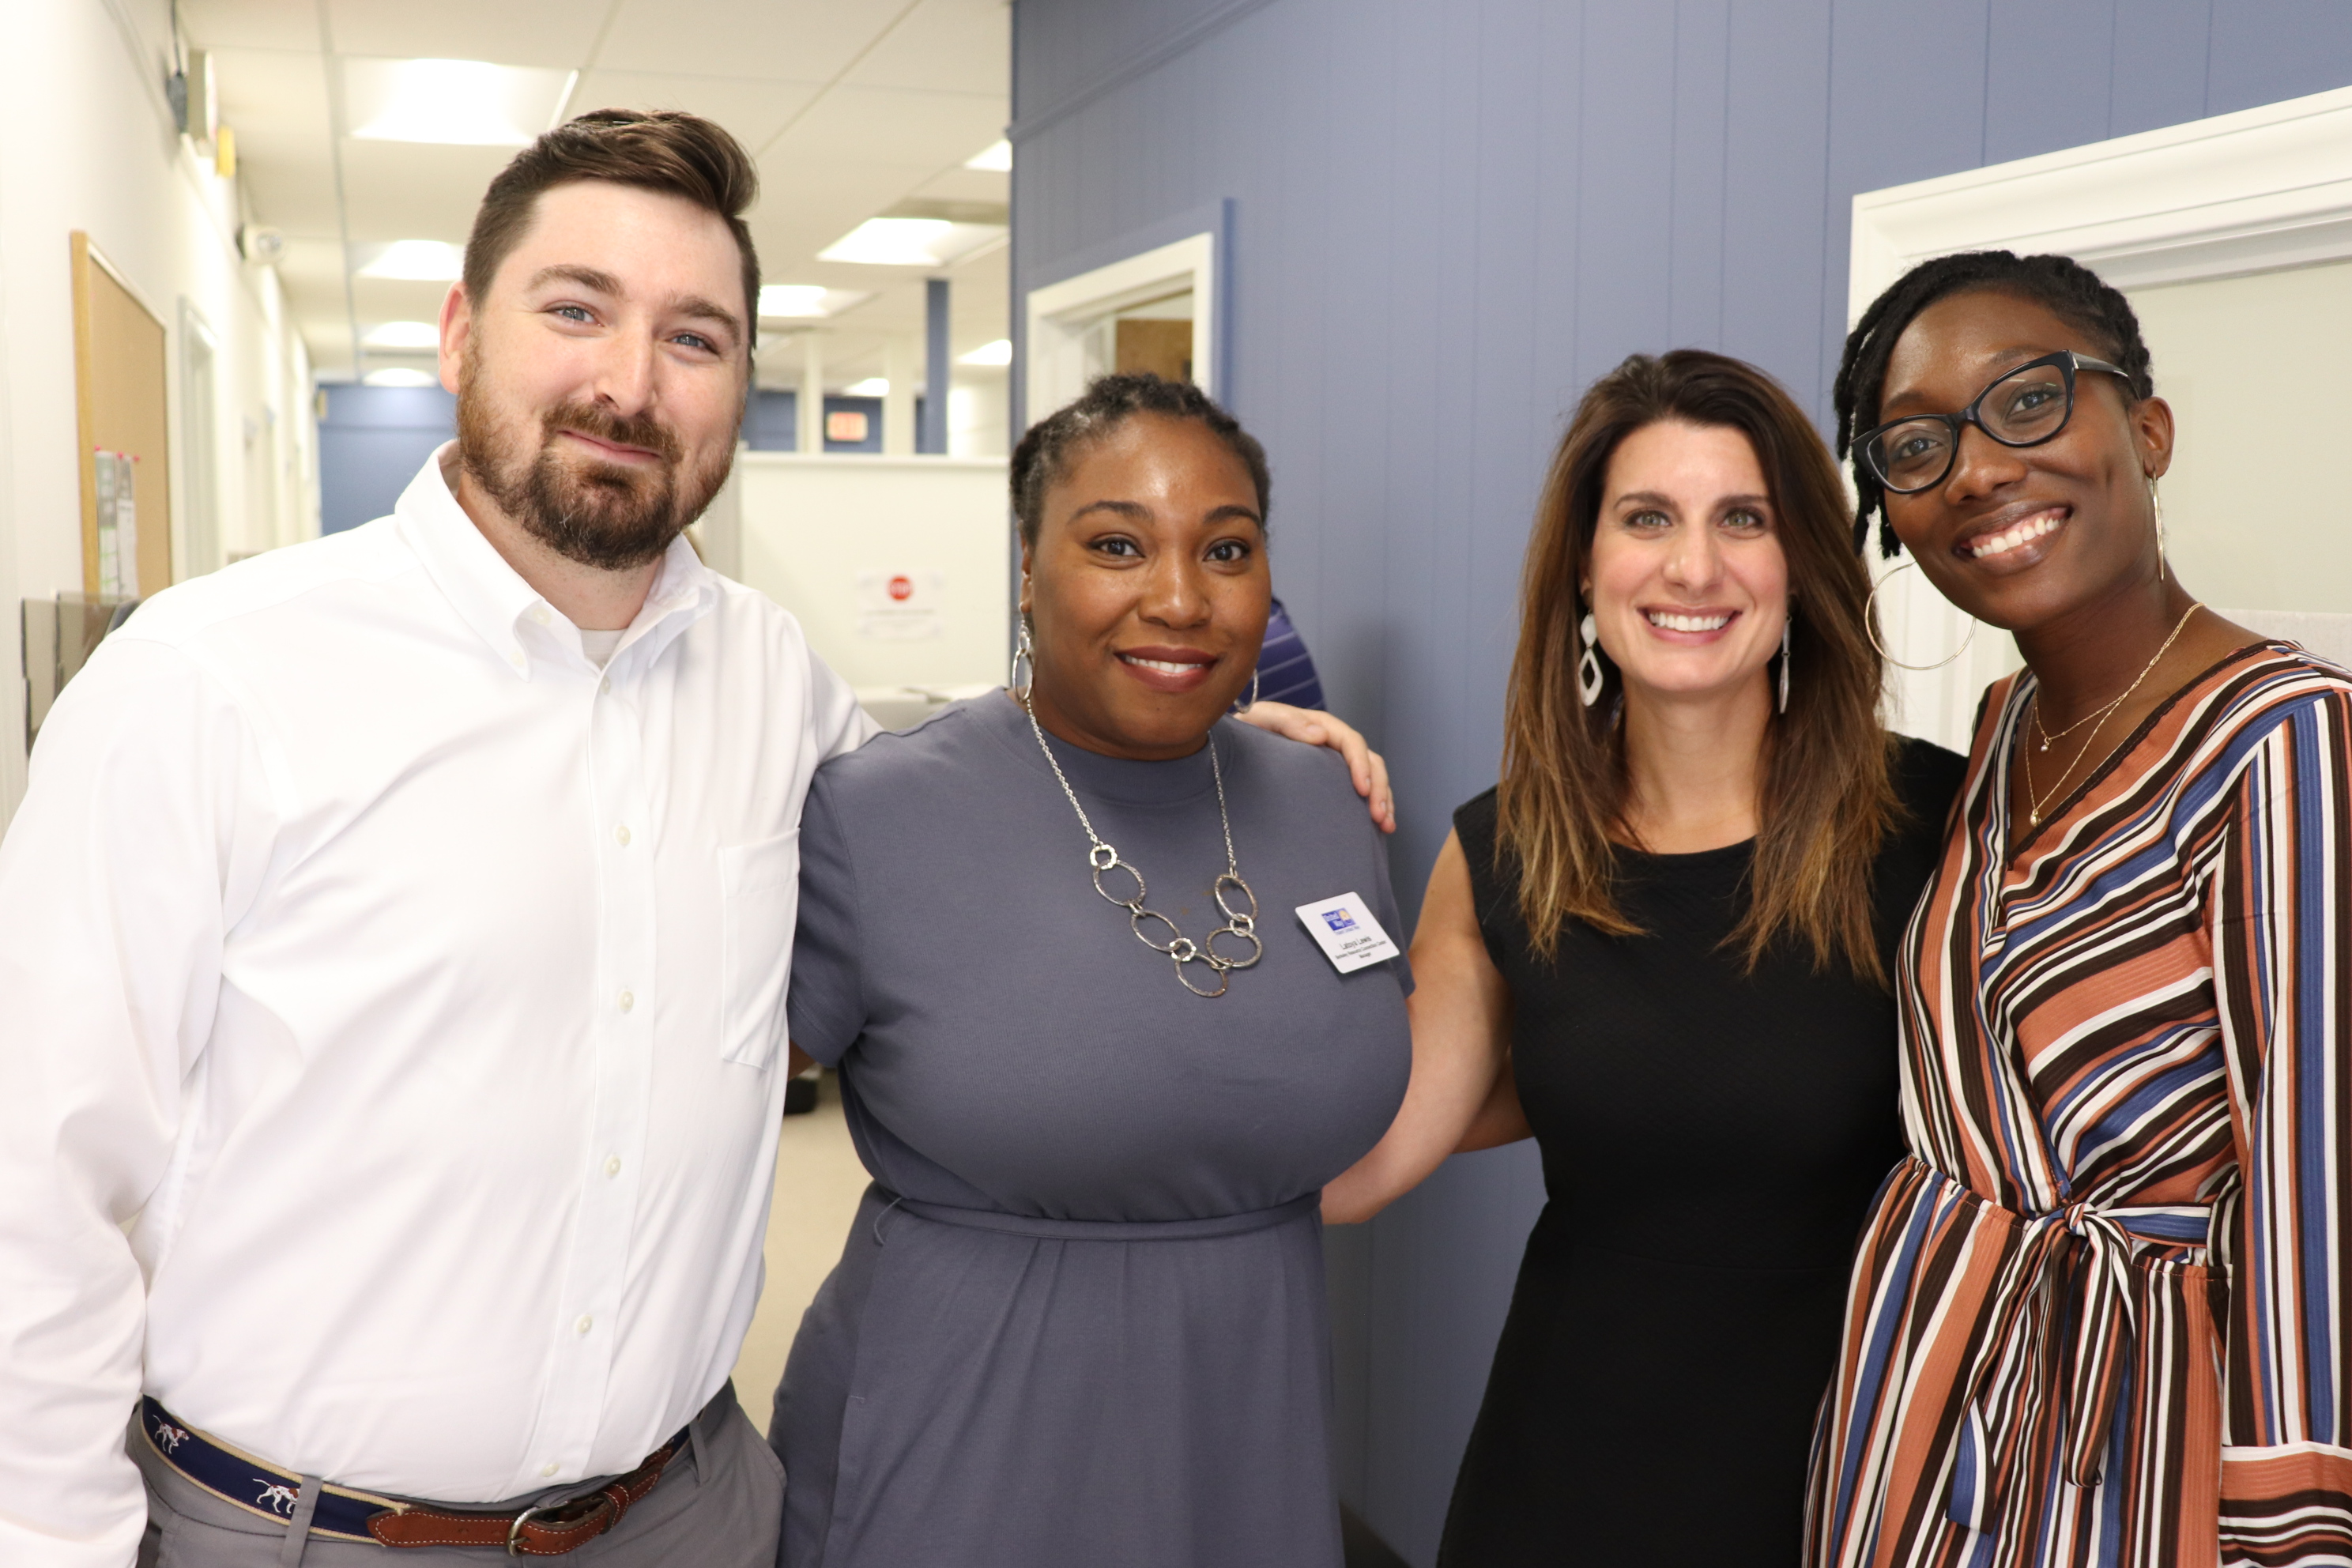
1786 623
1022 654
1588 668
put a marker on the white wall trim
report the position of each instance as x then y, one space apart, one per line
1059 314
2256 191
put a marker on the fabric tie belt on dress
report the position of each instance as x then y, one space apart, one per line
2077 1245
1039 1227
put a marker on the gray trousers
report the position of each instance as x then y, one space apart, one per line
720 1505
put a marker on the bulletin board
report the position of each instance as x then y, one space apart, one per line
123 421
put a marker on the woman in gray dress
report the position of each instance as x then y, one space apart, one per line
1080 1318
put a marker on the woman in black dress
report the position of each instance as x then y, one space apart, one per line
1661 948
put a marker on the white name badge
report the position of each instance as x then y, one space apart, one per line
1346 932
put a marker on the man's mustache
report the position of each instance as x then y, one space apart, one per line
641 430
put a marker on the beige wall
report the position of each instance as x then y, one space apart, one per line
2255 370
99 153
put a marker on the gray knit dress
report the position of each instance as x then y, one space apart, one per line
1080 1318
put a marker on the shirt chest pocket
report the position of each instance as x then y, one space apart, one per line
759 898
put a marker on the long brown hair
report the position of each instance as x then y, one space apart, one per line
1827 799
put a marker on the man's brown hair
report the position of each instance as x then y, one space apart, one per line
1828 800
660 149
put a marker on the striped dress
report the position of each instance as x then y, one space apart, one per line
2099 1316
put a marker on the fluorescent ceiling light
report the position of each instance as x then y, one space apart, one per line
910 241
872 386
403 335
399 375
998 352
466 103
996 158
417 261
790 302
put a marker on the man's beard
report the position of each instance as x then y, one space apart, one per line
597 514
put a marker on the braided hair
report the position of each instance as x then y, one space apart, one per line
2072 291
1053 443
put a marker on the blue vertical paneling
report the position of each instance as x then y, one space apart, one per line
1447 216
2265 50
1778 249
2156 69
2046 76
1702 119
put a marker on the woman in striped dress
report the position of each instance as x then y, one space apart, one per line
2099 1315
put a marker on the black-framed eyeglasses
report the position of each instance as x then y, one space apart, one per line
2025 407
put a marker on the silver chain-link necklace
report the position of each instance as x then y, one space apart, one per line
1101 858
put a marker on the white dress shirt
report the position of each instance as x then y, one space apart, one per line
410 991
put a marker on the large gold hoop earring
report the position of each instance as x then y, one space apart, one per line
2155 504
1870 624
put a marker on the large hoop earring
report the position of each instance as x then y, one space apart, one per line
1022 654
1589 676
1870 624
1245 707
2156 502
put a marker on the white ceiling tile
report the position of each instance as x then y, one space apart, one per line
511 32
781 40
251 23
754 110
961 185
945 45
399 190
895 125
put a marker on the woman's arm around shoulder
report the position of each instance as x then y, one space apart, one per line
1311 727
1460 1093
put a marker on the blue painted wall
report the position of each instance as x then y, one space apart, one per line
372 441
1448 216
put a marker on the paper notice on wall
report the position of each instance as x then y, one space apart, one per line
118 525
126 524
900 606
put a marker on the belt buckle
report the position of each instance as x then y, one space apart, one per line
514 1531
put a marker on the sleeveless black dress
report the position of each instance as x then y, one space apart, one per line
1711 1141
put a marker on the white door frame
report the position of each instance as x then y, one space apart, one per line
1060 314
2252 192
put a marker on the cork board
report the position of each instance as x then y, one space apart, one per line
123 421
1161 347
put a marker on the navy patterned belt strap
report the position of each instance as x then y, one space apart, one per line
345 1514
257 1488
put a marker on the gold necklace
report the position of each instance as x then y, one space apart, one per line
2034 799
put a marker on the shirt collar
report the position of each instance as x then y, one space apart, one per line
492 598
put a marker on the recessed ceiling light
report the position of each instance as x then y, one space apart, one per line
996 158
872 386
403 335
467 104
910 242
806 300
417 261
998 352
398 376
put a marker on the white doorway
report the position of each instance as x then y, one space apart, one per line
200 543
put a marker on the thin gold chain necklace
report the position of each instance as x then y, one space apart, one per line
2035 800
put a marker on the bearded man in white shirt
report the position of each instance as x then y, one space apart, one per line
392 949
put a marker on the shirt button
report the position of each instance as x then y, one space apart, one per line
628 1000
613 1166
621 835
539 614
547 1470
517 659
604 685
585 1323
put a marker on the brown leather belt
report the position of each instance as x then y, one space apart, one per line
345 1514
548 1532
